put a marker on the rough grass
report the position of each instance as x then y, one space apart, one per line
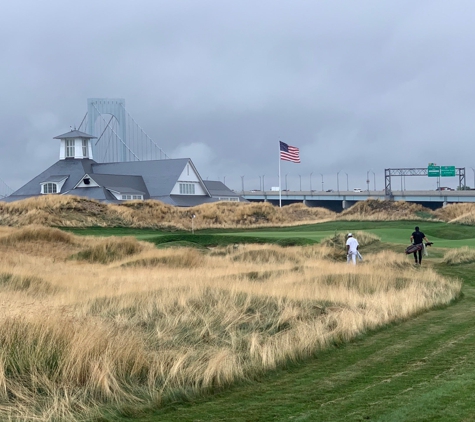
457 213
72 211
157 326
266 256
338 240
109 250
30 284
379 210
462 255
181 258
35 233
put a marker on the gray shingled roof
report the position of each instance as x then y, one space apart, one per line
218 188
76 169
152 179
74 134
160 176
122 183
99 193
55 178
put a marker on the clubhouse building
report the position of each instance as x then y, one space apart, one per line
172 181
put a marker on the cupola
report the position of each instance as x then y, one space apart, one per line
75 144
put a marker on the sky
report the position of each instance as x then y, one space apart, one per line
358 86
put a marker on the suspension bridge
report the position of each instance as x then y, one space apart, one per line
119 138
5 190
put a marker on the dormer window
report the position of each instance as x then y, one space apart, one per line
53 184
70 147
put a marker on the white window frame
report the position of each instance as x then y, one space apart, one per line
128 197
84 147
70 147
187 189
49 188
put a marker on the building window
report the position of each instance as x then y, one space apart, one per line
187 188
130 197
69 147
229 199
84 147
50 188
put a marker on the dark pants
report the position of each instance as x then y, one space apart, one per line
420 255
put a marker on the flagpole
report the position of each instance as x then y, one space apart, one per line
280 187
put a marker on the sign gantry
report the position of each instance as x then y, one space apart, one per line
432 170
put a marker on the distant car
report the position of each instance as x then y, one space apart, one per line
444 188
357 190
329 190
255 190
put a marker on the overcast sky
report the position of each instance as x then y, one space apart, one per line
358 86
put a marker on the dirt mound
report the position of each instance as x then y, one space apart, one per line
457 213
73 211
375 209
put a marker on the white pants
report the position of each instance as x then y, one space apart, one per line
351 257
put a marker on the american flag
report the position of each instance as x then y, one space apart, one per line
289 153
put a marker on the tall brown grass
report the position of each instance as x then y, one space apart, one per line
339 239
463 255
457 213
376 209
157 325
109 249
72 211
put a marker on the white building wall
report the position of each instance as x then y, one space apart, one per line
62 149
77 149
188 175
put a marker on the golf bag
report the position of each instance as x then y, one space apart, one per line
417 247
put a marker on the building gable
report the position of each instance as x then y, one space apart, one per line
189 182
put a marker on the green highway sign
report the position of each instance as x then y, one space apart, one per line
447 171
433 171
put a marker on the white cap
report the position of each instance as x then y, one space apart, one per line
349 235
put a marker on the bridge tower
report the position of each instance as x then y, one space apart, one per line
96 107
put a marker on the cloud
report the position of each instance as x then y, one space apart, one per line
355 85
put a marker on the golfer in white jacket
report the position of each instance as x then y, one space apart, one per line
351 249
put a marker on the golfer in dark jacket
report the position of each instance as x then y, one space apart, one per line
417 238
